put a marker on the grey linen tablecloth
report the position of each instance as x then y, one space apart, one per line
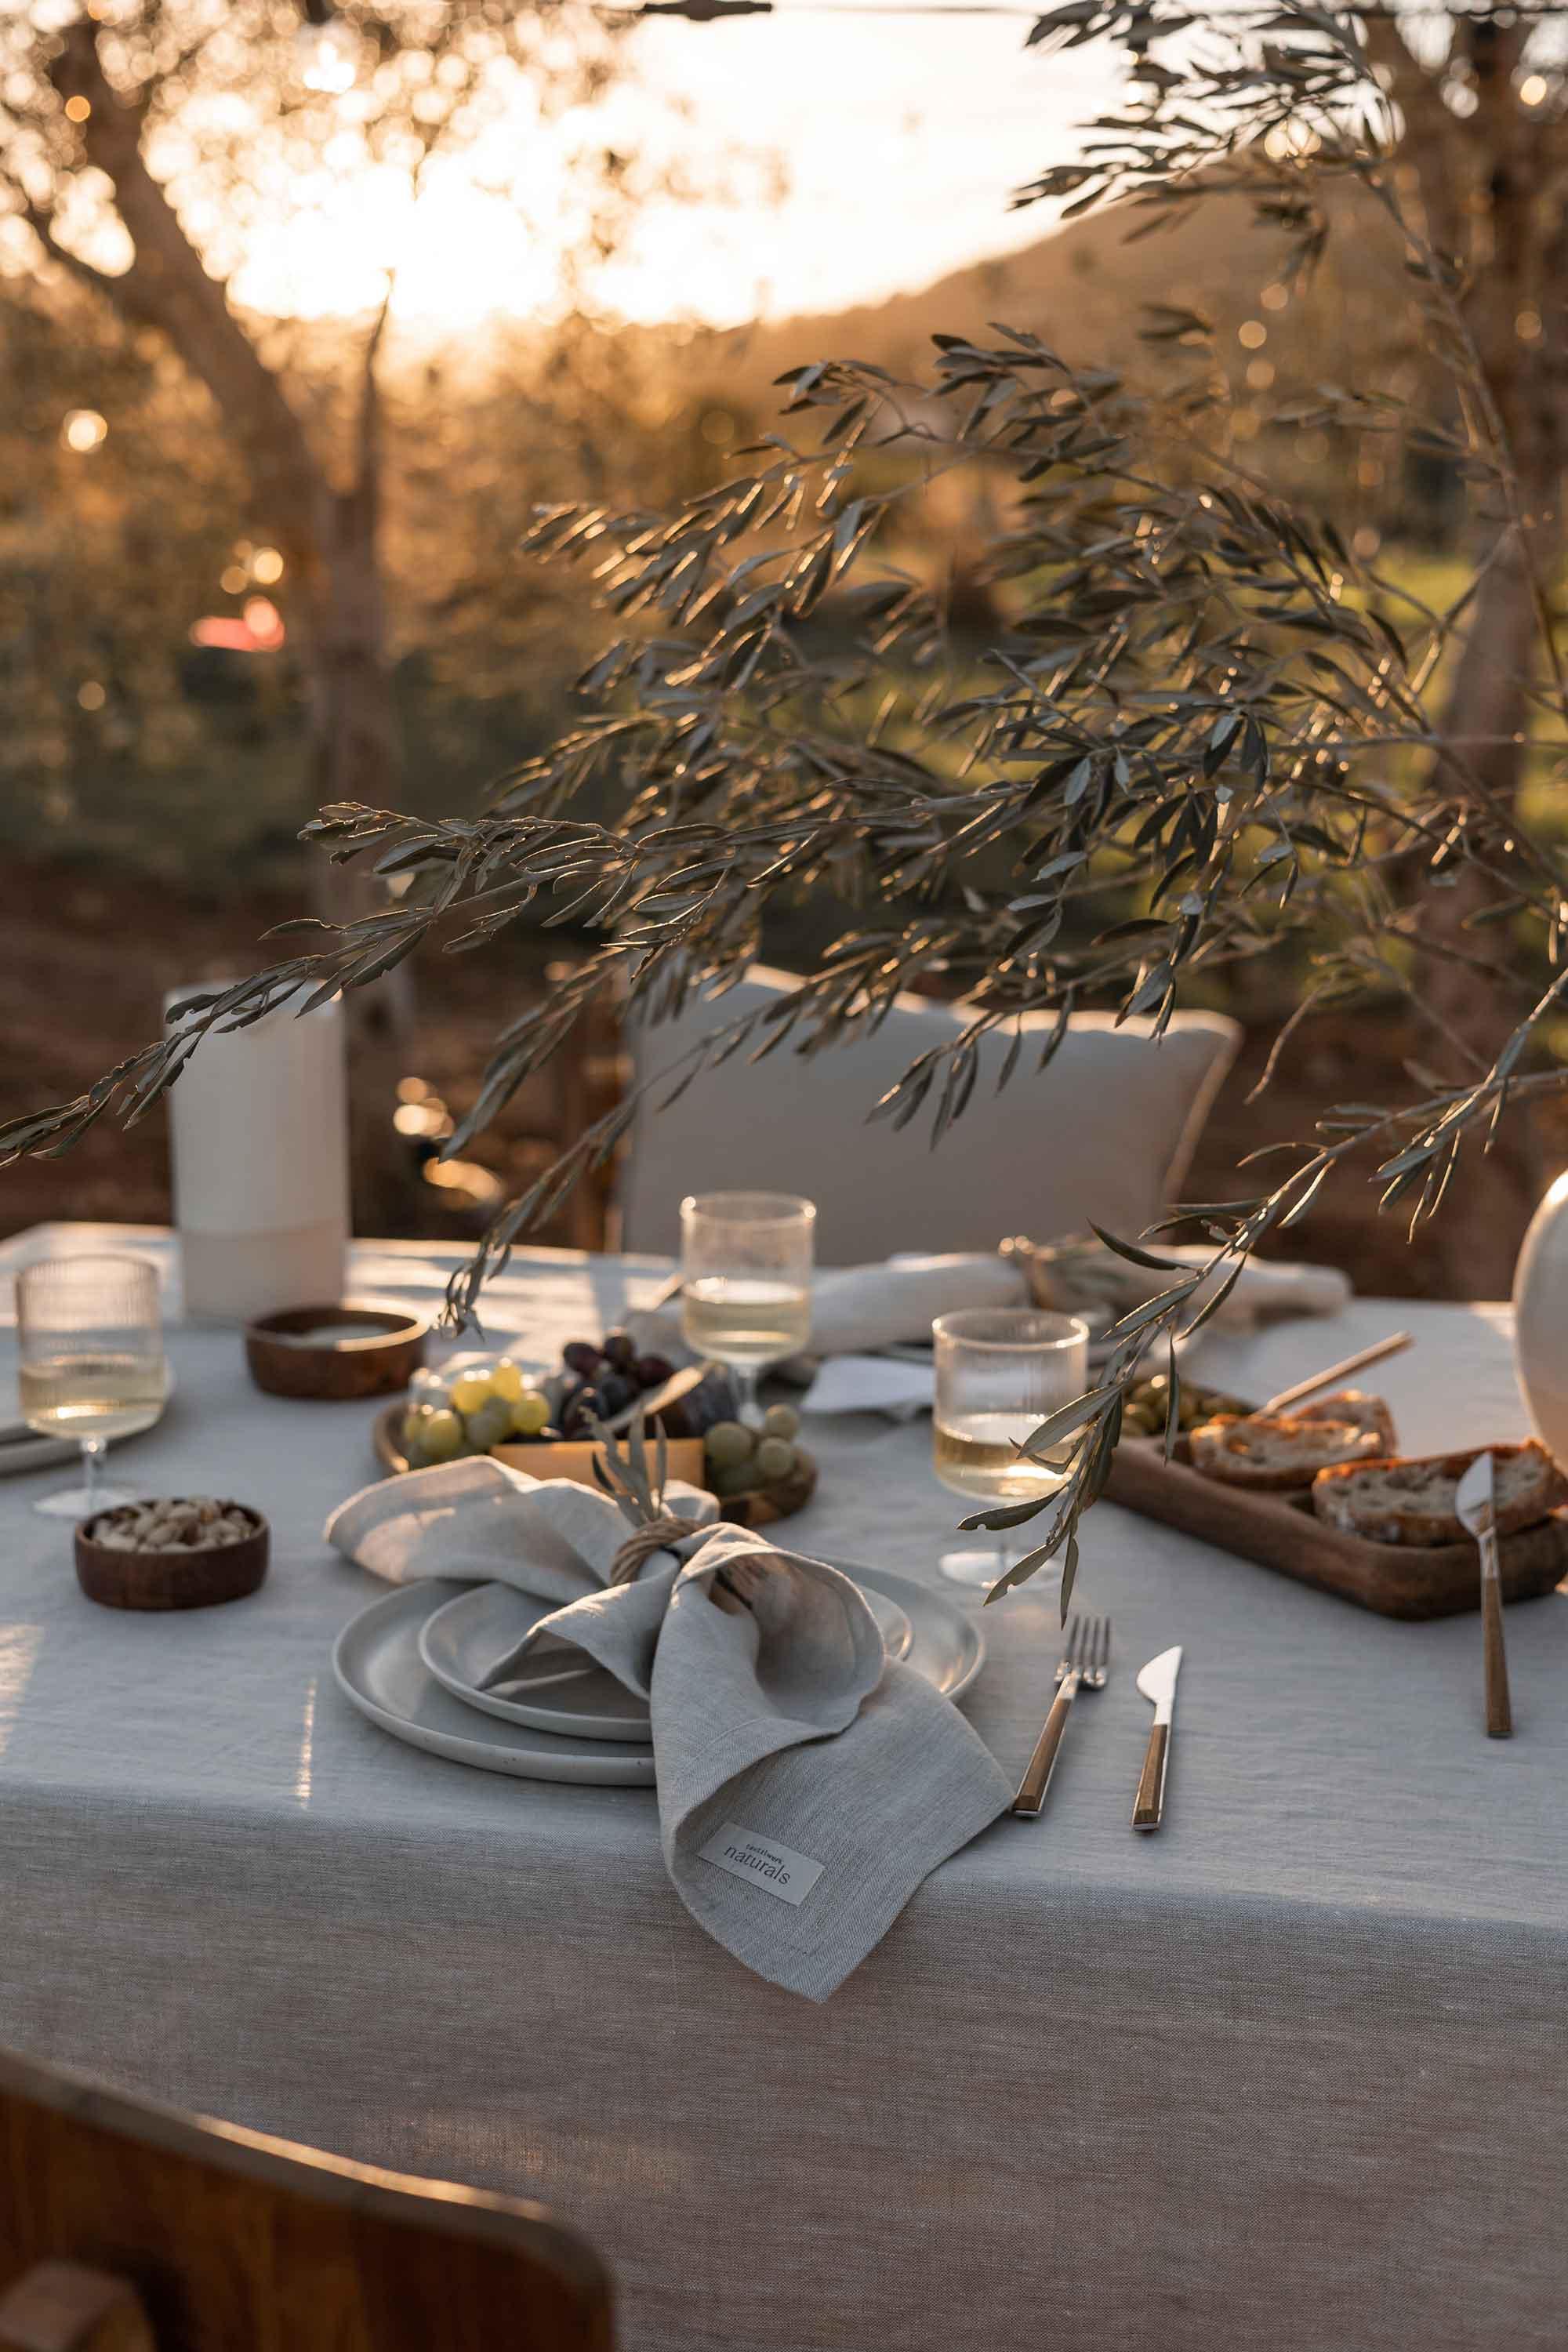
1289 2074
776 1715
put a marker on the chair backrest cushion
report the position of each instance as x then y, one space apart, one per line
1105 1131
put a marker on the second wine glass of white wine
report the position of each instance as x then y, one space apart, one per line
746 1260
1000 1372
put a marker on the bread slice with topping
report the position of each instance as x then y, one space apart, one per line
1363 1411
1276 1453
1413 1502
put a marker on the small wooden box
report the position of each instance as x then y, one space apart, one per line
573 1458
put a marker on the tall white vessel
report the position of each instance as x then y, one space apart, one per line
258 1126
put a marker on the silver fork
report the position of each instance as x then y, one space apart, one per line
1085 1666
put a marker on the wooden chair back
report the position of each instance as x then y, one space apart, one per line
132 2228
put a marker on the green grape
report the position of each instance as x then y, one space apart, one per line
729 1443
781 1421
531 1413
731 1478
489 1424
413 1430
776 1460
442 1436
414 1454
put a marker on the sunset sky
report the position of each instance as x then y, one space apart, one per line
899 141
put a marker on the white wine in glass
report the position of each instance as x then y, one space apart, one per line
977 1454
741 1319
1000 1372
91 1363
745 1259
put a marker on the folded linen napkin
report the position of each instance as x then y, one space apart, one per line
1078 1276
806 1785
856 1309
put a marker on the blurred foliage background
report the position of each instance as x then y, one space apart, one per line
154 761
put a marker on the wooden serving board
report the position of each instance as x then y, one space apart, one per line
1283 1532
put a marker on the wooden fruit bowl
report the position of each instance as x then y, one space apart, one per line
566 1457
760 1506
573 1458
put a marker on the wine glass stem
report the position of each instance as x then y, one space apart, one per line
747 1410
91 1456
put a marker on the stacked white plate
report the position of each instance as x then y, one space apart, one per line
418 1662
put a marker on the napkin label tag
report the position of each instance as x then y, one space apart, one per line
762 1862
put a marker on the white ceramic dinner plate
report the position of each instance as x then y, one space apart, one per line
463 1642
377 1663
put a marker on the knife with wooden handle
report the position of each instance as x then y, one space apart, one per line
1477 1505
1157 1681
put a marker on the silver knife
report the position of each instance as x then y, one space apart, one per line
1157 1681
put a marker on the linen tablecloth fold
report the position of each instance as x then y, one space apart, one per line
806 1784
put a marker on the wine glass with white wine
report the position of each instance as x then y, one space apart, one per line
91 1363
745 1260
1000 1371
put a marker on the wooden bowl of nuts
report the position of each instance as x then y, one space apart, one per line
186 1551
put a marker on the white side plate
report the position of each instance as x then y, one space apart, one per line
462 1643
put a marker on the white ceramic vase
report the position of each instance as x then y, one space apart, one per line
258 1127
1541 1321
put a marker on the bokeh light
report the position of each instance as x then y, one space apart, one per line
83 429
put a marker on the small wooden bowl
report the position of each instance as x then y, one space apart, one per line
760 1506
180 1578
384 1351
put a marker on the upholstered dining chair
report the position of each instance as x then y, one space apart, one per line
1105 1132
132 2228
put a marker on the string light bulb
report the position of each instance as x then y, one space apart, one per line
326 51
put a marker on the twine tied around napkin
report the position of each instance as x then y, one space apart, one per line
662 1534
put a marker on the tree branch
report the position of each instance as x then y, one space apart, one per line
167 287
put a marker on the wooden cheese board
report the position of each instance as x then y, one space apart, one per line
1282 1531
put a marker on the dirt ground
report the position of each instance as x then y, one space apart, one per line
84 964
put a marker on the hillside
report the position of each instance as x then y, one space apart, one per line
1083 289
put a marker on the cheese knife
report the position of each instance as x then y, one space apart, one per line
1157 1681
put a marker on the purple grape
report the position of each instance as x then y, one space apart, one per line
579 1357
652 1371
576 1404
620 1350
615 1392
713 1399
